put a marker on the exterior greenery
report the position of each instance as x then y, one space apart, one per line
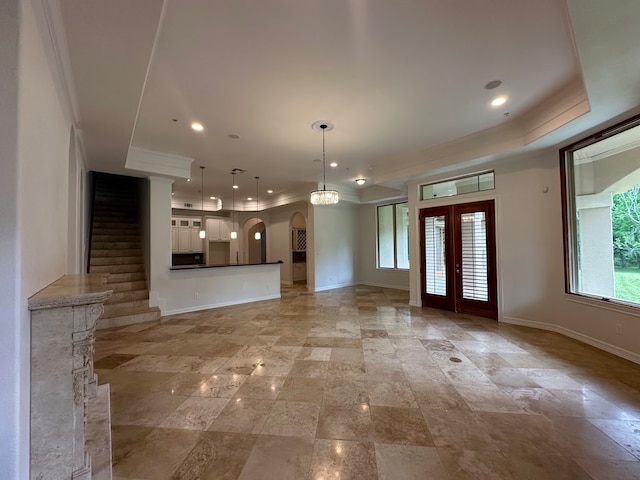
628 284
625 216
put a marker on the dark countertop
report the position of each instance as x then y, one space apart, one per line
196 267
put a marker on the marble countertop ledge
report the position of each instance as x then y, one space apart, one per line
196 267
72 290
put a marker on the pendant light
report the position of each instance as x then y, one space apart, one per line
234 233
202 233
324 196
258 235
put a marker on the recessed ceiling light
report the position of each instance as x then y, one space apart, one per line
249 198
172 193
269 191
493 84
361 181
212 198
496 102
233 136
235 186
197 126
333 164
188 179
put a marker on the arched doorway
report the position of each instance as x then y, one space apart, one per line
298 249
257 247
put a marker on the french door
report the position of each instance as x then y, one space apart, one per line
458 265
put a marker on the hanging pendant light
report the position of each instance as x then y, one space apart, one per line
324 196
202 233
234 233
257 236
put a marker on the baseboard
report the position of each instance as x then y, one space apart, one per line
594 342
338 285
197 308
383 285
413 303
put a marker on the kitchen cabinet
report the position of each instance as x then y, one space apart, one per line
218 230
299 271
185 235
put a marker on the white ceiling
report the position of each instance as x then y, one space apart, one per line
398 79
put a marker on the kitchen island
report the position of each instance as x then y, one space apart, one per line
190 288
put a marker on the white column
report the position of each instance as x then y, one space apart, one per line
596 244
159 239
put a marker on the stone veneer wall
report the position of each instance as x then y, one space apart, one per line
63 318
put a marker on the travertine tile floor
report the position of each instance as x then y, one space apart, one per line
354 384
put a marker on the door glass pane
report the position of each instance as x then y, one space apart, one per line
385 237
402 235
474 273
435 255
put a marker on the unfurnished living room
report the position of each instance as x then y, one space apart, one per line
320 240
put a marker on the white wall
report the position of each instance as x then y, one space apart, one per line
14 454
334 231
75 199
531 259
34 185
367 271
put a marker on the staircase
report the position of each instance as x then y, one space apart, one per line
116 250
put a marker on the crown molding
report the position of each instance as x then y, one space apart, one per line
158 163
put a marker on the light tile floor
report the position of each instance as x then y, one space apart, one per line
355 384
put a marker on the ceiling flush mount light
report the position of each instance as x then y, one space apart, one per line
234 232
197 126
333 164
496 102
257 236
269 191
202 233
324 196
361 181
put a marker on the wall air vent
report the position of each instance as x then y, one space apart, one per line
188 205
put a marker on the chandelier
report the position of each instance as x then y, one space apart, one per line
324 196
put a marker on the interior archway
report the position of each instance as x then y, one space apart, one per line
298 257
256 248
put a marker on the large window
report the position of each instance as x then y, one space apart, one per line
393 236
601 179
458 186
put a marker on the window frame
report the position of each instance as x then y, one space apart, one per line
569 224
395 237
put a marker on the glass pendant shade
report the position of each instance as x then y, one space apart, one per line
202 234
324 197
257 236
234 235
